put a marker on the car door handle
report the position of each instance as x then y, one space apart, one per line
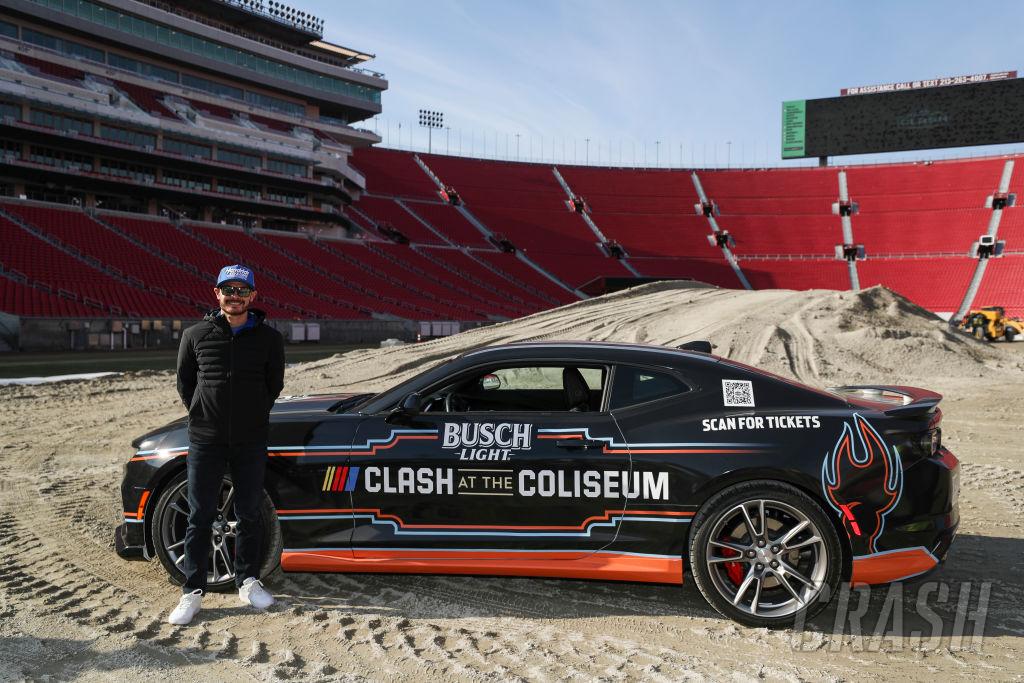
579 444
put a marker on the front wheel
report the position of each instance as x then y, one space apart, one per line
170 520
1010 333
764 554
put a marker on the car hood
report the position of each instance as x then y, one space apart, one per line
310 403
285 405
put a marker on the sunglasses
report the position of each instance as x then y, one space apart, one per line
232 290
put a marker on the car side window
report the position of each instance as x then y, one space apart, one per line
524 388
536 378
638 385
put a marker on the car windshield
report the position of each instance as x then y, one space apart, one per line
398 391
352 403
362 401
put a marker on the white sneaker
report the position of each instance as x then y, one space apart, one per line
187 608
252 593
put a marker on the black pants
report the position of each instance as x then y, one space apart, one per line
206 466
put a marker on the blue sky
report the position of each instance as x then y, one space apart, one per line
691 83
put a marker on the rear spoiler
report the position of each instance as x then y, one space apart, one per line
905 401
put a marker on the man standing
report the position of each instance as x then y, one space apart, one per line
230 372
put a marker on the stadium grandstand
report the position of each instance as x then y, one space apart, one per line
143 145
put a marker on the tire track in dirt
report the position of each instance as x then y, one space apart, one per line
61 449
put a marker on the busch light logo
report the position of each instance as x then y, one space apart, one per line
236 273
486 440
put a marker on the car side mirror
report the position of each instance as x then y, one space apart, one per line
411 404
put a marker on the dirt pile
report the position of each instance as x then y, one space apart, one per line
820 337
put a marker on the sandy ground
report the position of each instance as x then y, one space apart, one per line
71 609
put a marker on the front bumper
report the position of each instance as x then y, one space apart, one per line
918 536
130 541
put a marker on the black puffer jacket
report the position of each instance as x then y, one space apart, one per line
229 381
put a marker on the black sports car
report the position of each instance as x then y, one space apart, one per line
588 460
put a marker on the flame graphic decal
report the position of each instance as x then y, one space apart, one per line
862 479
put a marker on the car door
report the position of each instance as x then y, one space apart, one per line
308 470
657 410
508 468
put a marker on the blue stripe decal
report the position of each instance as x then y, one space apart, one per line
368 444
162 450
569 430
896 550
353 477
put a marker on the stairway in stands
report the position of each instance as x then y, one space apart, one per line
916 222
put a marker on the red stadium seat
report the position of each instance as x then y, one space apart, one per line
1003 284
917 222
937 284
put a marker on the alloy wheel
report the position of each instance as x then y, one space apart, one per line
174 523
767 558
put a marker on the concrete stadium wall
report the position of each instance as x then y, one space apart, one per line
10 326
61 334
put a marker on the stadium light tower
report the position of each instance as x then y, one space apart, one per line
430 120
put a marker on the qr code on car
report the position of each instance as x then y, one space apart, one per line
737 393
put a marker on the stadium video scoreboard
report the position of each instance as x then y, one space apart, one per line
984 109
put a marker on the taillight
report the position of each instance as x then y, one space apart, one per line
931 441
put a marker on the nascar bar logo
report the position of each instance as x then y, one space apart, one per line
340 478
486 440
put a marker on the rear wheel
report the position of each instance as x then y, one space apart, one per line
764 554
170 520
1010 333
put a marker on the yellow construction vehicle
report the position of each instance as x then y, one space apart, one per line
991 323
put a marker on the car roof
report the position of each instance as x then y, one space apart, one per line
624 348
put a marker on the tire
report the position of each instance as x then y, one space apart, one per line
169 522
1010 333
749 590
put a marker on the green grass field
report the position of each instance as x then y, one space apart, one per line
45 364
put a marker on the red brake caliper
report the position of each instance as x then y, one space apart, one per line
733 569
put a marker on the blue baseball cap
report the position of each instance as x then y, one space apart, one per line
236 272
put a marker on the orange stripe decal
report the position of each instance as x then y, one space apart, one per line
567 565
137 458
142 505
140 512
640 450
372 451
645 451
891 566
